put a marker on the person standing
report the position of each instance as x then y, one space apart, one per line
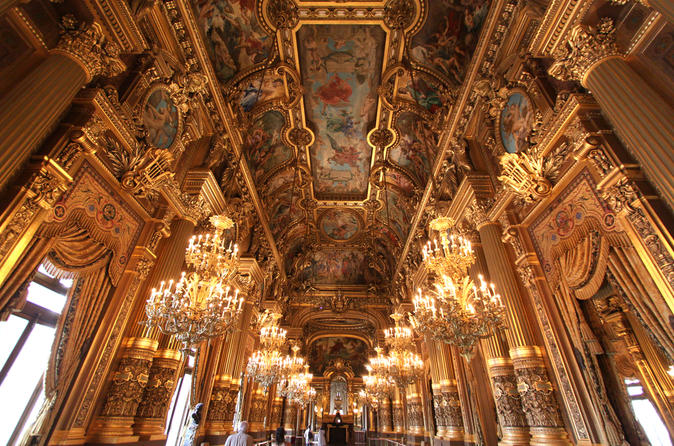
241 438
308 436
321 437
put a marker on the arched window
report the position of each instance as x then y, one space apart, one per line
339 395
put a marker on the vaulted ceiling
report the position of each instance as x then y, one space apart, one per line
339 107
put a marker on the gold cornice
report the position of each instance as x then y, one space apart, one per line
119 23
560 17
227 120
200 181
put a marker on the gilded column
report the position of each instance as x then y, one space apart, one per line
290 418
450 396
276 412
414 411
514 428
126 390
532 382
640 115
31 109
153 408
397 412
221 407
385 424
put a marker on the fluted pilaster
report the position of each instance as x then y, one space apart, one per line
640 115
35 105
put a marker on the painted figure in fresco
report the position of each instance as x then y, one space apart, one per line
449 36
516 122
417 145
233 36
259 91
263 145
350 350
340 77
340 225
160 117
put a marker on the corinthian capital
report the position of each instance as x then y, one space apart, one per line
585 48
87 46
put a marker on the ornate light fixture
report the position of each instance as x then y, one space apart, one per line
459 312
298 388
378 384
404 366
268 365
203 303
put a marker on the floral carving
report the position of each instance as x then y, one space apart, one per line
126 390
158 392
586 47
399 13
538 400
88 47
284 13
508 405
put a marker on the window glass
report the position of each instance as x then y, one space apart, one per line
647 415
181 402
22 378
10 332
46 298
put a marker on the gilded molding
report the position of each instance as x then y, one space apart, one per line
587 46
88 46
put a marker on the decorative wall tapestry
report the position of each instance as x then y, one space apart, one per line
91 204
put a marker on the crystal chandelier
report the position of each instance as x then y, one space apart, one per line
298 388
458 312
404 366
202 304
378 384
268 365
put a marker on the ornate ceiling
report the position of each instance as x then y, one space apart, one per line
338 108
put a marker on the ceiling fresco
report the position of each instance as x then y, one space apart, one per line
323 351
448 38
340 69
233 36
338 111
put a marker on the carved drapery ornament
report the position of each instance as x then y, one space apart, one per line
87 46
586 47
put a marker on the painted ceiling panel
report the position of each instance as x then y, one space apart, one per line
448 38
233 36
340 69
325 350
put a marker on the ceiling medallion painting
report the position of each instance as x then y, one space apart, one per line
340 67
161 118
340 225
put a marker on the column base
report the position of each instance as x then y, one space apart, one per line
515 436
112 430
149 429
549 436
454 434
